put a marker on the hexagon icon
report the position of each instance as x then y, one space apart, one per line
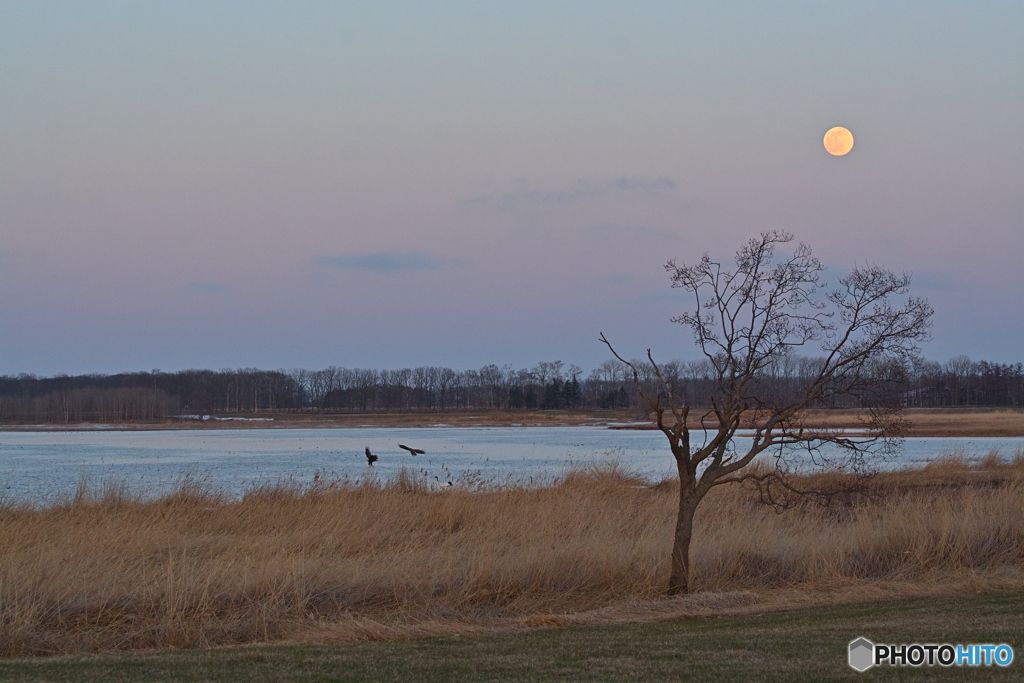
862 654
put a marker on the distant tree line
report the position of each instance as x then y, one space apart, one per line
149 396
963 382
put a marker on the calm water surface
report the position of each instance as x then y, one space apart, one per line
40 466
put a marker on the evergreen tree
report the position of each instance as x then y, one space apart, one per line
515 398
552 395
529 398
571 393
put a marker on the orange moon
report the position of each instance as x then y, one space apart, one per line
838 141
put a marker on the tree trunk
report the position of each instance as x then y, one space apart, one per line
679 582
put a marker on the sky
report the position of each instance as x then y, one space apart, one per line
394 184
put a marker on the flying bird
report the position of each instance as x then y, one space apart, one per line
370 457
413 451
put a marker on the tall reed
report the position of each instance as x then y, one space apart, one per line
364 559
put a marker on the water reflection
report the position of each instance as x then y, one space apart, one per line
38 466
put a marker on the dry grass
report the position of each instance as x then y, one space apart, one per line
944 422
935 422
361 560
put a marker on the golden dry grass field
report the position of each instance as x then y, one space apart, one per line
937 422
337 561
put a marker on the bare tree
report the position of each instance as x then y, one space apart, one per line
300 384
491 380
959 368
748 318
323 382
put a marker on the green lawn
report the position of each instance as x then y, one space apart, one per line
807 645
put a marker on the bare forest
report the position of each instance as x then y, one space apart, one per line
155 396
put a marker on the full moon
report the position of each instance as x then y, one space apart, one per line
838 141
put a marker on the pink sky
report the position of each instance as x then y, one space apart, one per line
379 185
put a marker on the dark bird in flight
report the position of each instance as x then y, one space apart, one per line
370 457
413 451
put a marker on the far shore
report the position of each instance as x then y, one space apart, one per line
923 422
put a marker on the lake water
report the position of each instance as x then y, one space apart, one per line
40 466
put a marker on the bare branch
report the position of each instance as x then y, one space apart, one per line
750 320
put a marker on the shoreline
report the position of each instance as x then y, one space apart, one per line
923 422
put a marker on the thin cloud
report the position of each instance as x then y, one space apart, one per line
612 228
380 261
936 279
581 191
614 279
209 287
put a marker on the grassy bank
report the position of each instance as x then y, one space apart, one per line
349 561
791 646
942 422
